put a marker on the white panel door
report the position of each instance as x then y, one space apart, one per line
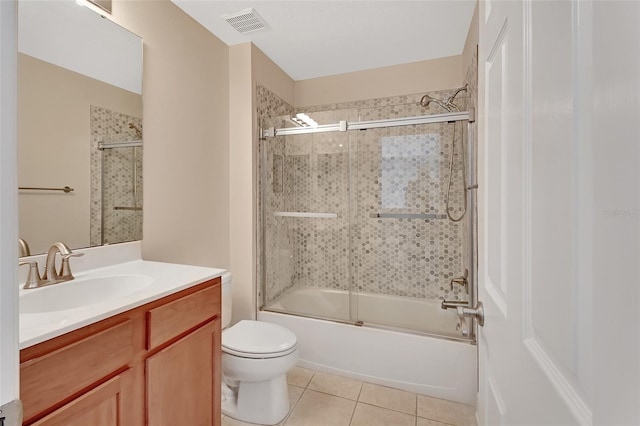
534 241
8 216
616 212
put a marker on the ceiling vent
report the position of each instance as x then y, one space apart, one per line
246 21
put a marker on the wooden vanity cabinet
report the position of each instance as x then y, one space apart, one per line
181 384
158 364
107 404
181 379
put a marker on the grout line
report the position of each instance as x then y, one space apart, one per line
435 420
353 412
360 391
330 394
387 408
310 379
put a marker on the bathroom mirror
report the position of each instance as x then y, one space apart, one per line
79 127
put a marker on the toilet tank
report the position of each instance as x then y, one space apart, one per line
226 299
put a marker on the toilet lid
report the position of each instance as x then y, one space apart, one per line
247 338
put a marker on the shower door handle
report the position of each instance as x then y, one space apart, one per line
477 313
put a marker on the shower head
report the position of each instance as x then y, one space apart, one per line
426 100
447 105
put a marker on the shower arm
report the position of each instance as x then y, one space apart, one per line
452 97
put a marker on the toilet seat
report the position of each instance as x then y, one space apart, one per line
256 339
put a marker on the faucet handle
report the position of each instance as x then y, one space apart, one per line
477 312
65 269
33 279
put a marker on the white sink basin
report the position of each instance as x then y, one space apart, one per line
81 292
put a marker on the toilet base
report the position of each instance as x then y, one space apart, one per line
265 402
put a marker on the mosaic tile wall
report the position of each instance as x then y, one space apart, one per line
279 241
406 170
122 167
396 170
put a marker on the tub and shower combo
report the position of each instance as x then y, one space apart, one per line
367 221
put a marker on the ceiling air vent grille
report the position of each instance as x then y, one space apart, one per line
246 21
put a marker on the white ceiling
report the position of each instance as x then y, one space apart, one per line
309 39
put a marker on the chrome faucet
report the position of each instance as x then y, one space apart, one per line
51 276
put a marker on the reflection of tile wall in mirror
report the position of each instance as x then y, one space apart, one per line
116 178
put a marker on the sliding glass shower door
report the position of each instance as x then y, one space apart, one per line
406 247
306 263
121 194
368 226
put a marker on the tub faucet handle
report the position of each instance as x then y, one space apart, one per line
463 281
477 313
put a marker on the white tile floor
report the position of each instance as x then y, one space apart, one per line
320 399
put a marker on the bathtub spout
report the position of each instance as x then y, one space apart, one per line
452 304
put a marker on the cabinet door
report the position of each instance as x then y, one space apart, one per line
107 405
91 359
183 385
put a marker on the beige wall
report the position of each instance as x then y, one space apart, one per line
471 43
265 72
242 191
248 66
186 135
416 77
53 149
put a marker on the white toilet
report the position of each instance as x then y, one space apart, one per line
255 359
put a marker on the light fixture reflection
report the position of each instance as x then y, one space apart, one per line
304 120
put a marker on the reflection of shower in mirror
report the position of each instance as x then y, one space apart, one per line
116 209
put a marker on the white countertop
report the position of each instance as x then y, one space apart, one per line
168 278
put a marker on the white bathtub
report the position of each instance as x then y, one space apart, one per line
395 311
426 365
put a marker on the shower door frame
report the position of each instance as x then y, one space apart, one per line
344 126
107 147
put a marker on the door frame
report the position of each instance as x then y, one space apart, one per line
9 346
